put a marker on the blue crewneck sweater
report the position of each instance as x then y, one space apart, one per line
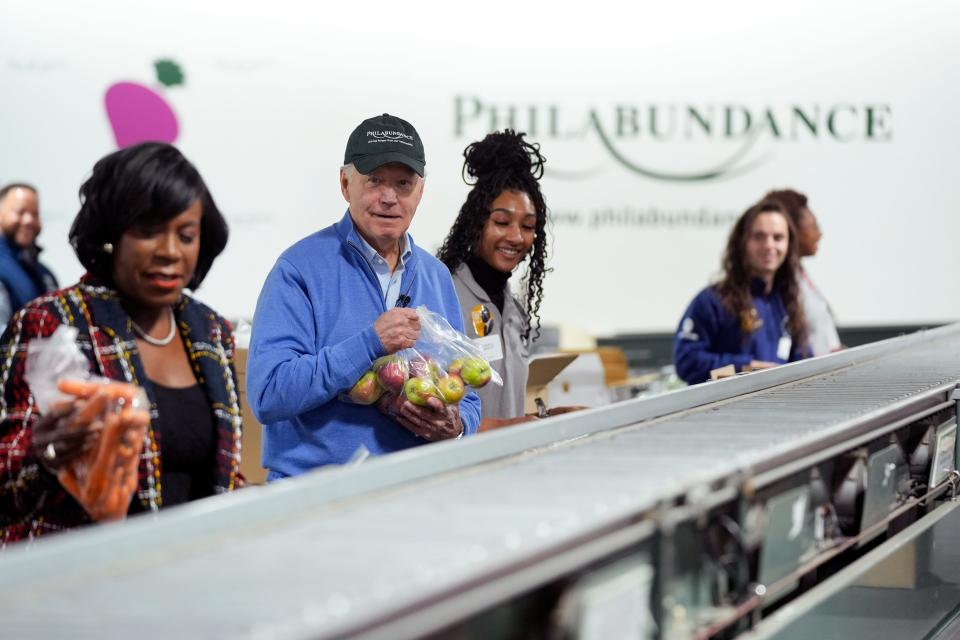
312 339
709 337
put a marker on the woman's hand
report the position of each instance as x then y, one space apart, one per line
558 411
68 429
489 424
104 485
757 365
103 474
57 439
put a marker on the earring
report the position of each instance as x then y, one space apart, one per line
107 248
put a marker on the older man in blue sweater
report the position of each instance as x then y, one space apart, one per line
342 297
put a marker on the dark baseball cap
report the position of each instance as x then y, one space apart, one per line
382 139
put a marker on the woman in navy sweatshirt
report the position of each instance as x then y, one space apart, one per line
752 318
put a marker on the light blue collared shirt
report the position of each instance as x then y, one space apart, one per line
389 282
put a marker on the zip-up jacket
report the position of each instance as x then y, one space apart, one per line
313 337
32 502
709 337
21 280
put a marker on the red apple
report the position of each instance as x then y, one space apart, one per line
380 362
418 390
476 371
455 366
425 367
391 372
451 389
367 389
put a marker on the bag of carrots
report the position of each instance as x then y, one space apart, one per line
104 476
111 417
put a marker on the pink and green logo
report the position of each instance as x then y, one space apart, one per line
139 113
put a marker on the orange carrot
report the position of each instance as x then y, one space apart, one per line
95 406
86 388
69 482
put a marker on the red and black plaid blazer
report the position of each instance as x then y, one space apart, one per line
32 502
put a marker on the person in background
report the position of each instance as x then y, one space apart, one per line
147 229
821 327
753 317
339 299
22 276
501 225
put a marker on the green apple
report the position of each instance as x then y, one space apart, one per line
418 390
451 389
367 389
475 371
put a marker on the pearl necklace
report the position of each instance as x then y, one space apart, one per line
157 342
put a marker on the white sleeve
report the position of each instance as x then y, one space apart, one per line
5 309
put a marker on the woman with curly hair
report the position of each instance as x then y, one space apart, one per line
753 317
501 225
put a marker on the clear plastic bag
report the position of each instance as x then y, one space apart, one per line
442 364
103 476
50 360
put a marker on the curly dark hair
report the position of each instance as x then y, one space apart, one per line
502 161
139 186
794 202
734 286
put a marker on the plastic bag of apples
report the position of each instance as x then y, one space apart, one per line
442 364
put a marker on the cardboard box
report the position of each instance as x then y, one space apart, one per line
726 371
252 430
615 367
540 373
582 384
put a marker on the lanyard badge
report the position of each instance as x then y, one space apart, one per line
482 320
785 344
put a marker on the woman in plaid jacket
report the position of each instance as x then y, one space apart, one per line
147 229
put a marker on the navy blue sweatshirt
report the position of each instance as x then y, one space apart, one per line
709 337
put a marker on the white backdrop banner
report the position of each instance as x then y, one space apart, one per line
660 126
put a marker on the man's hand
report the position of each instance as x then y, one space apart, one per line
398 329
435 421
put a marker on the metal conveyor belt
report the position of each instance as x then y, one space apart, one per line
286 562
